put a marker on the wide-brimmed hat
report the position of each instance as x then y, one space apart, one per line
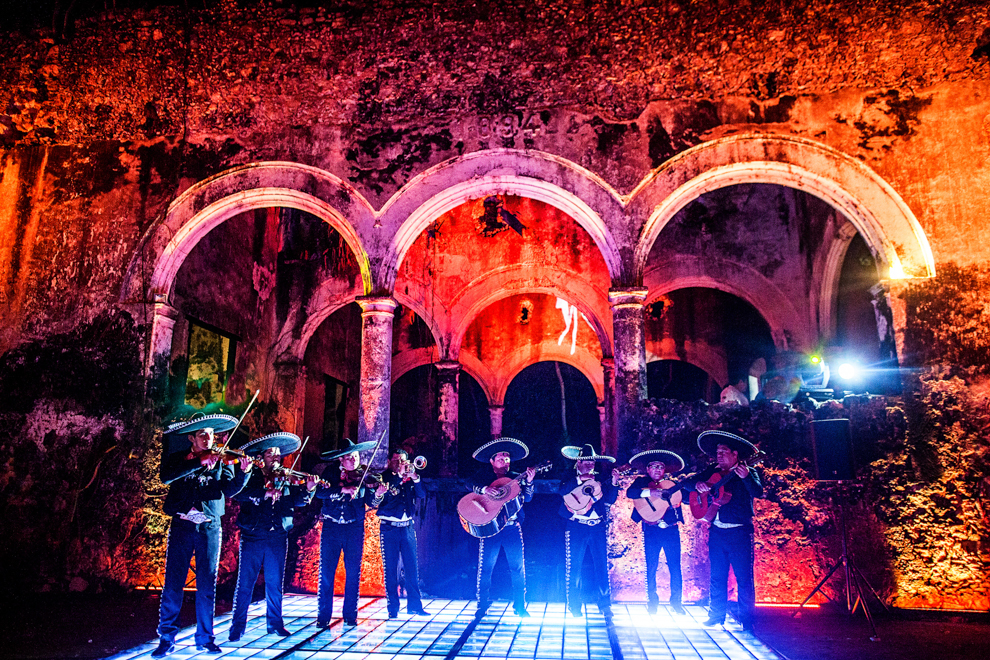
286 442
515 448
584 453
673 462
218 422
349 449
708 441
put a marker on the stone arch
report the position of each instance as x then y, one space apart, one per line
581 360
195 212
556 181
506 283
703 358
786 327
870 203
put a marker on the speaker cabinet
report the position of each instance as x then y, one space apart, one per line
832 445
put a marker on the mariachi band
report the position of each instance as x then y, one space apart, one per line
210 470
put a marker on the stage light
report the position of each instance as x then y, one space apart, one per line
849 371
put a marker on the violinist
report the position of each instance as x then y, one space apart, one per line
398 532
585 507
265 519
659 511
497 456
730 539
198 483
343 514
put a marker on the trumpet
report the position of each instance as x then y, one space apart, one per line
408 468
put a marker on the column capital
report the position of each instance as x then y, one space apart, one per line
447 365
631 297
163 309
377 305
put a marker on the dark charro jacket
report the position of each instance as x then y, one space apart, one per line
673 514
739 509
399 500
600 507
486 475
259 514
340 506
193 486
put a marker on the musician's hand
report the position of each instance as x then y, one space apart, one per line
741 470
702 487
273 494
245 463
585 477
415 477
488 491
615 479
655 493
311 482
350 490
530 474
381 489
209 460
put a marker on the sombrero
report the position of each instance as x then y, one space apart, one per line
672 461
585 453
349 449
218 422
286 442
515 448
709 440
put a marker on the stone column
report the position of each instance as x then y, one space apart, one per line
496 411
606 409
630 362
377 314
156 368
449 373
290 394
891 315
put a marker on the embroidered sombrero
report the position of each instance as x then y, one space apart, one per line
349 449
584 453
673 462
515 448
218 422
708 441
286 442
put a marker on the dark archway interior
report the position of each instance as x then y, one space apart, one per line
673 379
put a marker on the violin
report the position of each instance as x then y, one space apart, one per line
705 506
291 477
225 455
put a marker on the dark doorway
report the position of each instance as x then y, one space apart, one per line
674 379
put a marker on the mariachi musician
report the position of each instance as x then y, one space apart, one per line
585 507
659 511
398 533
730 539
265 519
198 482
344 502
498 456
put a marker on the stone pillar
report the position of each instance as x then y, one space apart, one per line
290 394
891 315
377 314
449 373
496 411
162 326
630 362
606 409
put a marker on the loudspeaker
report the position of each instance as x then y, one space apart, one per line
832 445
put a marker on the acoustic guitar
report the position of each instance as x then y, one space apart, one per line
585 494
652 509
705 507
484 515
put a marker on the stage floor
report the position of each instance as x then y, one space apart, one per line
451 631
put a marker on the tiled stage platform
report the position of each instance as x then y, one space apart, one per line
451 631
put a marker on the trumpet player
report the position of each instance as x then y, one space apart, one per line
398 532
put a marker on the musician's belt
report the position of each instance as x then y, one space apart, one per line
590 522
339 521
397 523
661 524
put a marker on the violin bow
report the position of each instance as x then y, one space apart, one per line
299 453
373 452
230 436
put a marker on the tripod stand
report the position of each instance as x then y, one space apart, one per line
855 580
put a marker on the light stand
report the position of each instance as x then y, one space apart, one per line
855 580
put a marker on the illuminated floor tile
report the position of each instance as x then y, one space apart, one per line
547 634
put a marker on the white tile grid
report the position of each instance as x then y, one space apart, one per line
547 634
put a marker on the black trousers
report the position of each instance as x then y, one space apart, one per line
260 550
668 541
510 539
396 542
580 539
184 540
337 539
731 547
